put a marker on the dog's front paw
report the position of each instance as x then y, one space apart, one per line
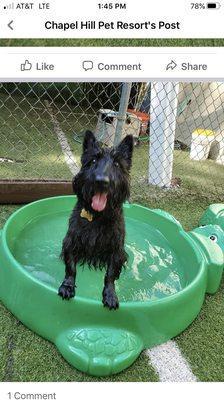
110 299
66 291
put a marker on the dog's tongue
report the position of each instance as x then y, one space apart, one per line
99 201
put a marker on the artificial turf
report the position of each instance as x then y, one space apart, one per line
113 42
27 138
202 342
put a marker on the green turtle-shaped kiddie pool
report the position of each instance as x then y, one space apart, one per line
161 291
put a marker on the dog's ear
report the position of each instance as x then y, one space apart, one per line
89 143
125 149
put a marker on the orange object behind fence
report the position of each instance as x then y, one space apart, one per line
144 118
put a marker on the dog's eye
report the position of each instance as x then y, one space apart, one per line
116 164
94 161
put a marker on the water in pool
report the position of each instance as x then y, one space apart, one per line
153 269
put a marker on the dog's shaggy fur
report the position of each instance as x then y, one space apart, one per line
96 230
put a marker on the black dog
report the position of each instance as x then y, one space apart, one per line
96 227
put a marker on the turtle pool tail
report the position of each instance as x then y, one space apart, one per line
209 236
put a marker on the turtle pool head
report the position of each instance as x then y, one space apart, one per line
210 240
214 233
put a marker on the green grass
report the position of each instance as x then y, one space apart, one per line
112 42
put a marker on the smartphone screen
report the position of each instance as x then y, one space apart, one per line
111 198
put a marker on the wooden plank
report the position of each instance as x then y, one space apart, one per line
20 191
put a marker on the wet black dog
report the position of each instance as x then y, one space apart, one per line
96 227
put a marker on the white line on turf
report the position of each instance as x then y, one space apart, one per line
69 157
170 364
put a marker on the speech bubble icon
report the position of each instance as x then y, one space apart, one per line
87 65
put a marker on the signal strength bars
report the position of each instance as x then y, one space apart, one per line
9 6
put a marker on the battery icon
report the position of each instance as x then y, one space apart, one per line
213 6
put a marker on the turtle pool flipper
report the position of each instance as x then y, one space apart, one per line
99 351
210 240
214 215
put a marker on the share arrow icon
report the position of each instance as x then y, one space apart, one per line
172 65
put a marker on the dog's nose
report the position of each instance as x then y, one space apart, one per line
102 179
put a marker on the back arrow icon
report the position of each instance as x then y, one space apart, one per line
10 25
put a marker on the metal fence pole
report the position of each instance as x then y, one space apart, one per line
163 114
125 95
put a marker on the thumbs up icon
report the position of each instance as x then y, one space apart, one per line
26 66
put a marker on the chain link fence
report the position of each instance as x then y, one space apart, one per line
178 130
